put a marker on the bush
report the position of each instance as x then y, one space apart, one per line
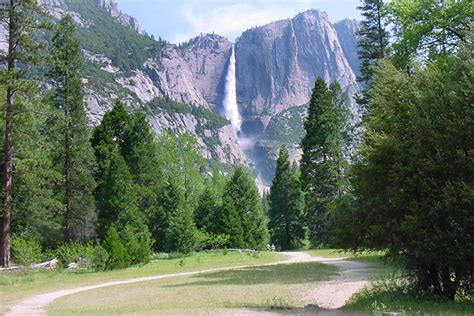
81 254
118 255
206 241
99 258
25 252
138 244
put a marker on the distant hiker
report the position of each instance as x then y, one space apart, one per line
273 247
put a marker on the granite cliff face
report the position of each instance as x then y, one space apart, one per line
192 73
276 65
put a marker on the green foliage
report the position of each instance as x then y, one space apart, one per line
138 244
242 208
412 186
395 295
181 233
428 29
323 161
210 202
170 199
206 241
35 206
119 256
212 120
287 126
180 159
26 252
20 19
75 252
372 43
69 132
286 212
105 35
99 258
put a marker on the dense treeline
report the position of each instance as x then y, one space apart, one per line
116 193
111 194
405 186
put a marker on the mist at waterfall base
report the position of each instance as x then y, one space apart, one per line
245 137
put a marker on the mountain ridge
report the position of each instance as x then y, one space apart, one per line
276 65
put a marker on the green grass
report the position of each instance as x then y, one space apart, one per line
276 286
338 253
385 295
389 296
14 286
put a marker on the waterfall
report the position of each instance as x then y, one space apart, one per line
231 109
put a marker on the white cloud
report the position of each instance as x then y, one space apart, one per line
230 18
180 20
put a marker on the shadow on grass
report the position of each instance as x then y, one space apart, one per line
389 296
297 273
307 310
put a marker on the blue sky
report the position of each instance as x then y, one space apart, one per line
180 20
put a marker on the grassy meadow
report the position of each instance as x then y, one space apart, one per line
16 286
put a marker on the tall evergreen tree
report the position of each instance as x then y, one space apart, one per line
170 202
20 18
139 149
242 195
116 193
286 223
372 43
209 202
181 234
75 152
323 161
413 183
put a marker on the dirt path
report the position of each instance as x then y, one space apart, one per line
330 294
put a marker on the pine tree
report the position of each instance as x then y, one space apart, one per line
181 234
204 212
116 193
227 221
139 149
323 161
75 151
20 18
170 200
242 194
210 202
286 222
372 44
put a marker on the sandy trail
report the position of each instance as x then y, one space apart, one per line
331 294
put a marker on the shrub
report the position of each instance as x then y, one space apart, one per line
77 253
25 252
99 258
207 240
118 254
138 244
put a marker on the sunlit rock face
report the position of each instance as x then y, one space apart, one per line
278 63
275 69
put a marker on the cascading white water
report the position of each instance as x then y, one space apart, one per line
231 110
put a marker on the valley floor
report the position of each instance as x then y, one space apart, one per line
327 282
304 283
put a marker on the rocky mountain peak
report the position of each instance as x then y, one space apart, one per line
312 16
278 63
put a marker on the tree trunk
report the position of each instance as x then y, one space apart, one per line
8 146
380 30
7 181
68 179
